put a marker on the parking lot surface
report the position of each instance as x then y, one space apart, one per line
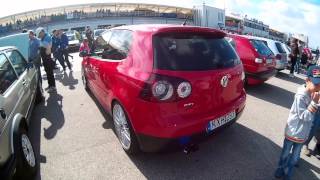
73 139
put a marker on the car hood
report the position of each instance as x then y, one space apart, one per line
74 42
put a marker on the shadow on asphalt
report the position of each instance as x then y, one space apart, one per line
272 94
108 123
51 110
236 153
67 79
284 76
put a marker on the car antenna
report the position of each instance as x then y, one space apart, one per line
185 21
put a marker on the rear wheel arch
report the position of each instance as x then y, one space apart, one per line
19 122
113 102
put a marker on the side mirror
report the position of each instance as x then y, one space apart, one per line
84 54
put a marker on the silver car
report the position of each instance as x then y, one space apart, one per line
20 90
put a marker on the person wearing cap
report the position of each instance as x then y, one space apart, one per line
299 123
45 53
33 52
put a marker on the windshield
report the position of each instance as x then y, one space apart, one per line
71 37
98 32
261 47
189 52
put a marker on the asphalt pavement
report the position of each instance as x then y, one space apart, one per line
74 139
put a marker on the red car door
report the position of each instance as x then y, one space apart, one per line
107 66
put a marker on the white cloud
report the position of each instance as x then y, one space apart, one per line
293 16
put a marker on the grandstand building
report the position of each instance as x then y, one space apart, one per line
104 15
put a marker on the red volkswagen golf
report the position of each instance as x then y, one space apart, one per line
165 83
258 60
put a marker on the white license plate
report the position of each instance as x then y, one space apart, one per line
269 61
212 125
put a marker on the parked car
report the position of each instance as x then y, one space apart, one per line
278 51
257 59
287 49
74 40
97 33
20 90
165 83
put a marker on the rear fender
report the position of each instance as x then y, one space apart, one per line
18 122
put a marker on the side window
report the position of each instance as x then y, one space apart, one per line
103 40
118 46
7 74
17 60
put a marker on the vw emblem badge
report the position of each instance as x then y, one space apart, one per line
224 81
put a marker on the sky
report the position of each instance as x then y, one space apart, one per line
294 16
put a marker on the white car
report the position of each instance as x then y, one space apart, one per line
287 49
74 41
278 51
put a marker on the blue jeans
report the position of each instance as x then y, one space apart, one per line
287 159
297 66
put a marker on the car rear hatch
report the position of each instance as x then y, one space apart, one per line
282 53
265 56
206 61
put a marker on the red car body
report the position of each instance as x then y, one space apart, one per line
130 82
256 65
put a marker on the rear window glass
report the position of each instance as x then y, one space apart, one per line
261 47
190 52
279 47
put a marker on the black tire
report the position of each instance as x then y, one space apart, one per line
134 147
25 170
39 93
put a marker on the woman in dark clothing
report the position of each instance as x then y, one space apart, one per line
294 55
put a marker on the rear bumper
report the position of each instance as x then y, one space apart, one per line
263 76
280 64
7 171
155 144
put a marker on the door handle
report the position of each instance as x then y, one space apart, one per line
24 82
3 114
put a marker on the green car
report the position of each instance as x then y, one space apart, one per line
20 90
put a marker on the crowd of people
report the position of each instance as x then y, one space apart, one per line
301 56
46 49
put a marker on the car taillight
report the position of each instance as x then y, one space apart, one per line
162 88
278 56
258 60
184 89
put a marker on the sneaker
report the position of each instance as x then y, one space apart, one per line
52 90
279 173
307 151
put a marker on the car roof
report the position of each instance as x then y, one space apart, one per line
163 27
261 38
